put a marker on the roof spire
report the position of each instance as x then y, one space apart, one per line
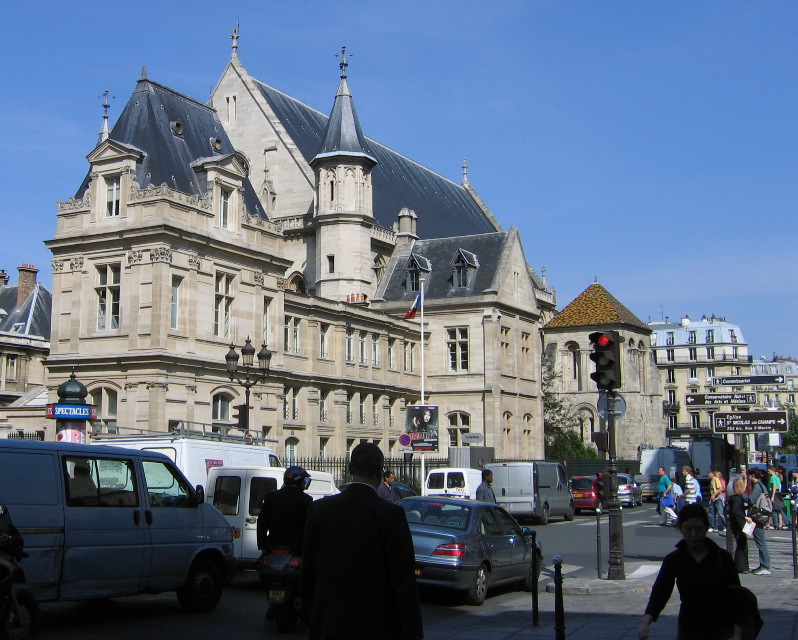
343 64
104 131
234 36
143 72
465 171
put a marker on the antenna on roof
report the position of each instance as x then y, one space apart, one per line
234 36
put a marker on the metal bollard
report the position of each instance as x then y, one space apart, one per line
794 540
535 609
559 610
598 543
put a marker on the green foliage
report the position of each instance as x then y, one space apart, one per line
789 440
562 441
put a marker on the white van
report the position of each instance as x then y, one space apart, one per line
452 482
101 522
195 455
533 489
238 493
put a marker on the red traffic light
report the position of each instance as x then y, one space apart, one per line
603 339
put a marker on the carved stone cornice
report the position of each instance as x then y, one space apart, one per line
281 283
134 256
259 279
157 385
194 262
191 388
137 193
131 385
161 254
74 204
57 265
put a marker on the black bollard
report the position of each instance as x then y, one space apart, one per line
794 514
598 543
559 610
534 544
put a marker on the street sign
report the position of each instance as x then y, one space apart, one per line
750 422
71 411
620 405
719 398
748 380
472 437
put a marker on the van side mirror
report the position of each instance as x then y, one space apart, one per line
200 491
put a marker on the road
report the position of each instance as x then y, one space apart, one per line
240 614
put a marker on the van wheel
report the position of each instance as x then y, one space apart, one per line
479 587
544 517
203 587
569 515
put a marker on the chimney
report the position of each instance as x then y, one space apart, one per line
3 278
26 282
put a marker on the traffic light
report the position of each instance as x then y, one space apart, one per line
600 489
607 356
241 416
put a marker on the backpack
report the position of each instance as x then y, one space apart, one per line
763 508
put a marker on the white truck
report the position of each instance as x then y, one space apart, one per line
197 450
671 458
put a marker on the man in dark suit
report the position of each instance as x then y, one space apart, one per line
358 581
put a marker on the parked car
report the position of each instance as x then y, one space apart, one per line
470 546
585 493
402 490
629 492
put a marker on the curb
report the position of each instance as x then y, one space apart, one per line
583 587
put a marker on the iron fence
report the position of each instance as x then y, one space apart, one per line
408 471
26 435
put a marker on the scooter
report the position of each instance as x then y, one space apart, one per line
19 611
280 570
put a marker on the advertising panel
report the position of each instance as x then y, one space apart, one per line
422 427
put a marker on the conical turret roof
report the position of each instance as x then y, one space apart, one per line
595 306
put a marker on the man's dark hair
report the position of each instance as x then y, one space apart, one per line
486 473
690 511
367 460
757 473
387 474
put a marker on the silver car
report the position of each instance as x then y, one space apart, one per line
469 546
630 493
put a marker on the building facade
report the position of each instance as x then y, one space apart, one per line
568 349
199 226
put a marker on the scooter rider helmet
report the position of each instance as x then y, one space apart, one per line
297 476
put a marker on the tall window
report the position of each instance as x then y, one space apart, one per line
710 336
350 399
291 404
694 373
363 412
710 373
290 451
323 442
413 279
291 335
526 353
669 338
223 305
692 353
221 408
695 420
361 347
671 375
106 402
108 296
733 336
375 350
174 315
324 401
460 276
112 189
673 421
391 345
670 355
350 345
324 330
459 423
691 338
457 345
410 356
710 353
265 320
224 208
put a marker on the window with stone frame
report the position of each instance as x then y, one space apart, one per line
106 401
225 207
457 348
221 403
113 187
108 292
223 304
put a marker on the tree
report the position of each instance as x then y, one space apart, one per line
562 440
790 439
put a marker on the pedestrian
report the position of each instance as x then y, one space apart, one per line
774 488
485 490
665 497
716 503
702 571
692 491
385 490
737 508
757 489
283 514
358 563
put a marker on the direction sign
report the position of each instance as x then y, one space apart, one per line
748 380
750 422
719 398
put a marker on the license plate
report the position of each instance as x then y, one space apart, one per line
276 595
417 571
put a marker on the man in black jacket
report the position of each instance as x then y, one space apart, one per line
284 513
358 579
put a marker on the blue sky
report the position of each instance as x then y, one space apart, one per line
651 145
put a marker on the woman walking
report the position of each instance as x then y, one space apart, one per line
738 505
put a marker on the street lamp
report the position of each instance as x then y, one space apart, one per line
251 377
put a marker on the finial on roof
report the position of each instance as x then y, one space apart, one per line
104 131
143 72
543 275
234 36
465 171
595 279
344 63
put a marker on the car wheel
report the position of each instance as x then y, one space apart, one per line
22 626
569 515
203 587
479 586
544 516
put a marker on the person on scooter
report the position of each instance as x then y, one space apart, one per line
282 517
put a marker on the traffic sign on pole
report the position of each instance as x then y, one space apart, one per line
692 399
750 422
748 380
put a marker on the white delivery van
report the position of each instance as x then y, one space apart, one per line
238 493
195 453
452 482
533 489
671 458
101 522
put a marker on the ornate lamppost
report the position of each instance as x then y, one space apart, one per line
251 377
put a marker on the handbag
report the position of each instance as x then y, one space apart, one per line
667 500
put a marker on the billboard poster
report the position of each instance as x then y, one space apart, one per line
422 427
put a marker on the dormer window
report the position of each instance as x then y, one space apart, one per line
464 266
224 208
112 190
418 267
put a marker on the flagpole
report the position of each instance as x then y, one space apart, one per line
421 341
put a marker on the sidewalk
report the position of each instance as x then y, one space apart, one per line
609 610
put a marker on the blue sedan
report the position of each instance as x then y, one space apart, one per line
469 546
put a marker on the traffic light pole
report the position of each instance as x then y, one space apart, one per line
616 569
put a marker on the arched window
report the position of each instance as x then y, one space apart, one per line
290 451
297 284
459 423
221 407
105 399
574 378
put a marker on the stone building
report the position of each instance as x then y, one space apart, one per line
198 226
568 347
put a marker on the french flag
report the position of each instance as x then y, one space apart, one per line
412 312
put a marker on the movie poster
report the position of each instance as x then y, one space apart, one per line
422 427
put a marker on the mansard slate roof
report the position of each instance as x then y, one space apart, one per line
439 252
397 182
595 306
32 317
146 124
